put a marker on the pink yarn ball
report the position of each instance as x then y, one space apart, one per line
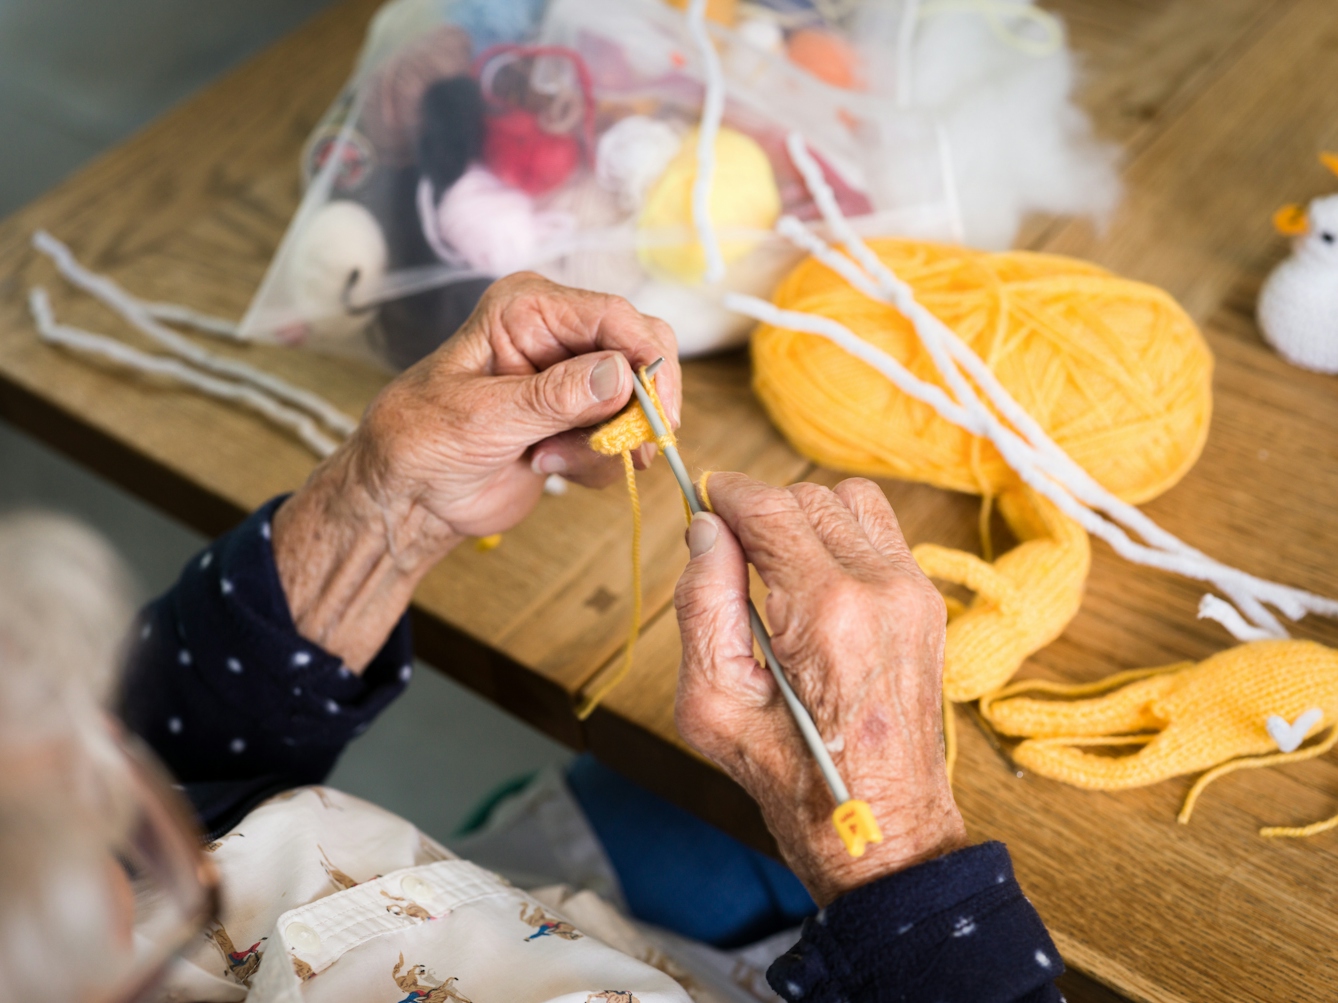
493 227
391 116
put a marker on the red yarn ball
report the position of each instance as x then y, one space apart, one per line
519 152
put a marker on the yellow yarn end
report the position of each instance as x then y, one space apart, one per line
856 826
744 196
618 437
486 543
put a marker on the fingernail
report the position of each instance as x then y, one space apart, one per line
701 534
606 378
549 463
647 452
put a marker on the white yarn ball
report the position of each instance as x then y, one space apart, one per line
1298 305
761 33
339 258
633 154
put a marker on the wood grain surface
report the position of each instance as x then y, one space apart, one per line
1220 107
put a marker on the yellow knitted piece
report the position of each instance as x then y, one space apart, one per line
1185 718
1023 601
1114 370
621 434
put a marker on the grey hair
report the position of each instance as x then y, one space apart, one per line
66 601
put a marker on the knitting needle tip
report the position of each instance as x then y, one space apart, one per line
650 370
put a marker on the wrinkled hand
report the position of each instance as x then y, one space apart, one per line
860 632
460 445
471 432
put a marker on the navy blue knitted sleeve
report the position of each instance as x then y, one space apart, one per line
954 930
225 690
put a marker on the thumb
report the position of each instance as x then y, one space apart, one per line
719 680
574 393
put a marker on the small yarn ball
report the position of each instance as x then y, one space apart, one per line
494 227
452 130
743 196
337 260
518 150
827 56
632 154
392 113
1114 370
605 260
762 33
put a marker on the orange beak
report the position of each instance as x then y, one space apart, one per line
1290 220
1329 160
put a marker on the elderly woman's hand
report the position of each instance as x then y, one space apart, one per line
460 445
859 631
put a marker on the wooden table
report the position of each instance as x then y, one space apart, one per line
1221 106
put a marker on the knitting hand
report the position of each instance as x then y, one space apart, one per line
460 445
860 633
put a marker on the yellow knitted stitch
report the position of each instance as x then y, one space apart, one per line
1187 717
626 431
1023 601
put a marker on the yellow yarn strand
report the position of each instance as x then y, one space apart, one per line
1252 763
625 432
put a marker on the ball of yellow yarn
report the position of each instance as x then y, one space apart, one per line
743 196
1114 370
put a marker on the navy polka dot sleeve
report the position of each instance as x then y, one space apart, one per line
954 930
225 690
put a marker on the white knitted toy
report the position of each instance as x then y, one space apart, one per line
1298 306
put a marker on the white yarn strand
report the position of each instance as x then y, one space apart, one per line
174 313
1040 461
713 112
98 345
142 318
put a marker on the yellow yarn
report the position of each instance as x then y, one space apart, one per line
623 433
1185 718
1023 601
743 196
1113 370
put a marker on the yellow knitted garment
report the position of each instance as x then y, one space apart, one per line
618 437
1182 718
1114 370
1023 601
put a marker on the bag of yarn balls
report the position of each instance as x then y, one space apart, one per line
1114 370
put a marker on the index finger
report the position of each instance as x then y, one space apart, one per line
775 532
535 323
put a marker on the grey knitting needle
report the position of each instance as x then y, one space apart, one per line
800 713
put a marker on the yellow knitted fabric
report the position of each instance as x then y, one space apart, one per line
623 433
1023 601
1181 718
1113 370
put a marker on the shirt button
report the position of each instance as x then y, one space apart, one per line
303 937
417 889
